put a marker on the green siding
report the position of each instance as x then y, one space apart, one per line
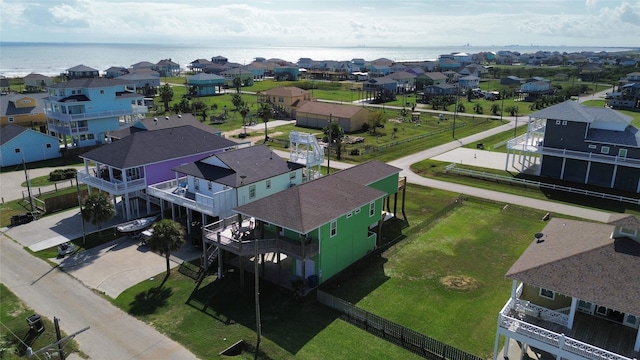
532 293
388 185
350 243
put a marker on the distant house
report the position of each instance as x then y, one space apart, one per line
245 75
378 70
448 65
590 72
430 78
571 296
81 112
37 82
286 98
25 110
146 83
534 89
206 84
383 62
81 72
406 81
628 98
198 65
257 69
125 168
284 73
143 65
18 144
313 114
219 59
160 123
511 80
436 90
115 71
375 86
166 67
469 82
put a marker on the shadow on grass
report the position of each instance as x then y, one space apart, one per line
147 302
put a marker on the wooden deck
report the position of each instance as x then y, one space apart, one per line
594 330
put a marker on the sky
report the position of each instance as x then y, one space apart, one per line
325 22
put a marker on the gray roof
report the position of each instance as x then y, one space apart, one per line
255 163
573 111
629 137
148 147
367 173
306 207
580 259
8 108
151 124
81 68
89 83
9 132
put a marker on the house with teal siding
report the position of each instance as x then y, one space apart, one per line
314 230
290 73
206 84
18 144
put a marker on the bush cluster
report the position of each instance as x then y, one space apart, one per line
62 174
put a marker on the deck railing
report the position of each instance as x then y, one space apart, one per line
246 247
96 115
113 187
220 204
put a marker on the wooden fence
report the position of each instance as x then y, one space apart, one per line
411 340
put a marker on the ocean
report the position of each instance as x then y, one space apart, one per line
19 59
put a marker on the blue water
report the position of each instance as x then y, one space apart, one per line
20 59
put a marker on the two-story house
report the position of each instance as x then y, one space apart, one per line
37 82
596 146
203 84
125 168
81 111
167 67
24 109
574 294
214 186
316 229
286 98
81 72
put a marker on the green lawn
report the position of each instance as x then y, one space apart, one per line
14 330
448 282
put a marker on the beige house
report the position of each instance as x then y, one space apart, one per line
313 114
285 99
23 110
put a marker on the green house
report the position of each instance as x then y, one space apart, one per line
315 230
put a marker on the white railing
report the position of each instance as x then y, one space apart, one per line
95 115
220 204
541 312
311 155
113 187
559 341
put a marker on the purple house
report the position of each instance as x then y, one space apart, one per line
126 167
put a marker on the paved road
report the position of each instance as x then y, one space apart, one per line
51 292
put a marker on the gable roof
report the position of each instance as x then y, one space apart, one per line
306 207
573 111
10 132
368 172
81 68
89 83
8 104
151 124
255 163
147 147
580 259
322 108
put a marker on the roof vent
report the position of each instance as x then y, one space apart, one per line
180 116
538 237
166 117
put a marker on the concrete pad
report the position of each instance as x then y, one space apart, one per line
481 158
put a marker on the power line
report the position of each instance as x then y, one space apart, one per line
17 337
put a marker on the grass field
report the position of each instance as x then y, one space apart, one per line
14 330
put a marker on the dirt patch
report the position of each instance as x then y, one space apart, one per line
459 282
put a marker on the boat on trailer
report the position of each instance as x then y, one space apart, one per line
136 225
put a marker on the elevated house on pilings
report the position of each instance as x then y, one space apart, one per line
575 292
573 142
315 229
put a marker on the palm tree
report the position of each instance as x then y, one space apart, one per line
244 111
236 100
166 94
98 208
495 109
237 83
168 236
265 112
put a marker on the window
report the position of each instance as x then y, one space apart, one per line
210 185
11 119
349 214
292 176
372 209
627 231
604 150
17 150
268 184
622 153
48 146
91 136
549 294
281 99
357 211
101 92
252 191
564 122
334 228
557 122
196 184
593 146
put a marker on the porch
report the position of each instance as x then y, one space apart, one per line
113 186
176 192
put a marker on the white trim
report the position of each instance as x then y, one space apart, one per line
552 297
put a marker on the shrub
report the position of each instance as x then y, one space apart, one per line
60 174
354 152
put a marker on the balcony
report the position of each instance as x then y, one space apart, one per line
113 186
95 115
245 246
175 192
590 338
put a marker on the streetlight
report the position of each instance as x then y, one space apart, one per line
455 111
84 233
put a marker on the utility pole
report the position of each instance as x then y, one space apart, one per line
84 233
26 175
329 148
257 296
455 111
56 324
